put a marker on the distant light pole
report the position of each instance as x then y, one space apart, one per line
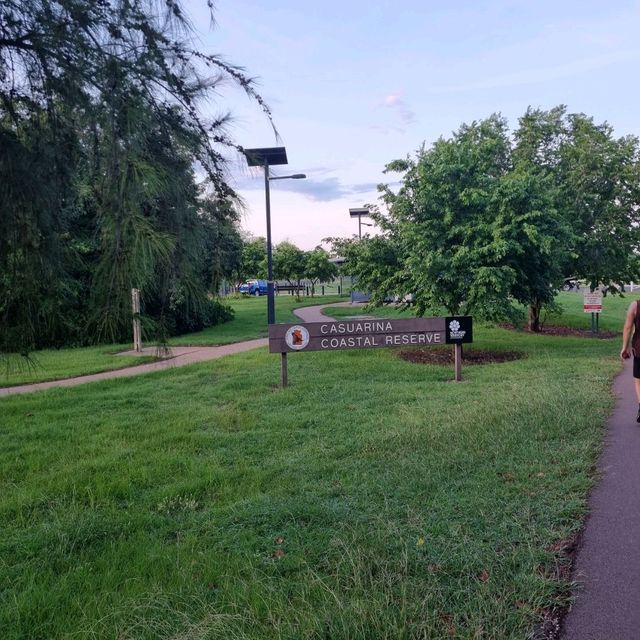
265 158
358 213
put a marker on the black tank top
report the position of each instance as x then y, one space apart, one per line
635 342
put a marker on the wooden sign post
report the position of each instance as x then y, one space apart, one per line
137 330
371 334
284 370
457 362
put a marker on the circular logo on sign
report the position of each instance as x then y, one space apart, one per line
454 326
297 337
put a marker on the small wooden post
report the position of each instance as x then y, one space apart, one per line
458 362
137 330
284 371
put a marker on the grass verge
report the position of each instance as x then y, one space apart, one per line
55 364
251 319
370 499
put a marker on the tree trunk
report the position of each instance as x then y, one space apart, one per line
534 317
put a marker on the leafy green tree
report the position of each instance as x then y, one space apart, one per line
318 267
530 238
376 262
596 180
254 259
471 231
440 216
480 221
289 263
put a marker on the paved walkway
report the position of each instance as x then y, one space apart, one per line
179 357
313 314
607 565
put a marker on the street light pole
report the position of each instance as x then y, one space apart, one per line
265 158
271 309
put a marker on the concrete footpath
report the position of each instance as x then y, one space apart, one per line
314 314
607 565
179 356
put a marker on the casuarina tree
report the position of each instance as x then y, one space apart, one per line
101 124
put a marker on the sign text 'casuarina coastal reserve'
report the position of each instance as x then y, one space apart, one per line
368 334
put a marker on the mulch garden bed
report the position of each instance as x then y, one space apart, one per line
469 356
554 330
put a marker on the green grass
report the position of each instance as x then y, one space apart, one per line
54 364
388 311
371 499
251 319
250 323
614 310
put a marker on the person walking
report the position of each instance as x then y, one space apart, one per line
632 324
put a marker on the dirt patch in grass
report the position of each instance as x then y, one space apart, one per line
556 330
469 356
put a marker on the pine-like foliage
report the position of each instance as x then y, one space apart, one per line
100 130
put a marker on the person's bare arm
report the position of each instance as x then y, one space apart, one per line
626 331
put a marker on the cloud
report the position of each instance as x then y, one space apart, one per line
394 101
323 190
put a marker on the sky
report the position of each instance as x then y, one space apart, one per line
356 84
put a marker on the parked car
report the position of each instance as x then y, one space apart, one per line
570 284
254 287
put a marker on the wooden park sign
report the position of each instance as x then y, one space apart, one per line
370 334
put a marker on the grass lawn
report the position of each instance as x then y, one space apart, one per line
614 310
371 499
251 319
54 364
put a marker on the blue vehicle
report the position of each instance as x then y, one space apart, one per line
254 287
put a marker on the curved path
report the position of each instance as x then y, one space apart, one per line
607 565
180 356
314 314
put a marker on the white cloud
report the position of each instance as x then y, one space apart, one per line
396 102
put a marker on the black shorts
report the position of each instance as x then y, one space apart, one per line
636 367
